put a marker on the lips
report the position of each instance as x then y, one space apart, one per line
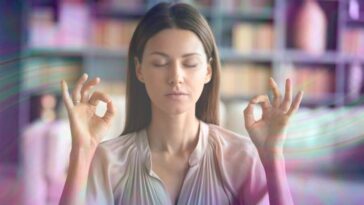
176 93
177 96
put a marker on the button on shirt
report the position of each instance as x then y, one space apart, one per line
224 168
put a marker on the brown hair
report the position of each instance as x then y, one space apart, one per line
164 16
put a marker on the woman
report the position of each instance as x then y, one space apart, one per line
172 150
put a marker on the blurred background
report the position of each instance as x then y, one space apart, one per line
319 44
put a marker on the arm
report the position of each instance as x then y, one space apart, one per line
269 133
277 184
74 191
87 130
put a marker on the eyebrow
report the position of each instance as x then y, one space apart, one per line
165 55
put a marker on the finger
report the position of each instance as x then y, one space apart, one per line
287 96
97 96
86 89
277 94
296 103
76 94
65 95
263 101
110 112
249 116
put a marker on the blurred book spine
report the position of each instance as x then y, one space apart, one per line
318 82
44 74
244 79
69 31
112 34
248 37
353 41
256 5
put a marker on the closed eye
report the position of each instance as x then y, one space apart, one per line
160 65
191 65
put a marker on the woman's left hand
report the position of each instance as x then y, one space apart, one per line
269 133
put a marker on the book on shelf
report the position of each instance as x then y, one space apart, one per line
42 28
353 41
249 37
112 34
45 74
316 81
255 5
244 79
66 32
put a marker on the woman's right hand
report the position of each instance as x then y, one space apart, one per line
87 128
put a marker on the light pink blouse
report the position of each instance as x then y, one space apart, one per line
224 169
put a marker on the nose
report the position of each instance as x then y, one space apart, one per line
175 74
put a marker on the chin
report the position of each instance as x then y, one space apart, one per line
175 109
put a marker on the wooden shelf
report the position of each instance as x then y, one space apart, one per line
221 21
324 100
227 54
61 52
248 16
303 57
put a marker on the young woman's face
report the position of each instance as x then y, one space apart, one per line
174 69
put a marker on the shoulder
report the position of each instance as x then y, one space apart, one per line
115 153
116 148
230 141
236 157
113 157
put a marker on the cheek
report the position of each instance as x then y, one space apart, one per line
198 83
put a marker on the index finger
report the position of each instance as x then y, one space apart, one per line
65 95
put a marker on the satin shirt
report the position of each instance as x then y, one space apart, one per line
224 168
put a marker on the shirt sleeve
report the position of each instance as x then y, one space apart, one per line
254 190
99 188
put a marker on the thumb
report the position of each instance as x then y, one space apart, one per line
249 116
110 112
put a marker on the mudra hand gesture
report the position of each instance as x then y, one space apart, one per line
87 128
269 133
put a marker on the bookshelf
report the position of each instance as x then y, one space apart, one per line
256 39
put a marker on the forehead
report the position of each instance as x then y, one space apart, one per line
175 43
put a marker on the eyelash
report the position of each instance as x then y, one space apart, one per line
163 65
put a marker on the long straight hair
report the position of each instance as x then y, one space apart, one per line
164 16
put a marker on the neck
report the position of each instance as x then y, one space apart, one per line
173 134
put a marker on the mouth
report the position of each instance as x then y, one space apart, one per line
176 95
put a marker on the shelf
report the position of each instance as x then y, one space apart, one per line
103 52
353 22
49 52
222 18
297 56
73 52
248 16
324 100
227 54
353 58
328 99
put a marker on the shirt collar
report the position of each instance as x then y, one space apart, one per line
195 156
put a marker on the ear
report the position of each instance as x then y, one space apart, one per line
138 70
208 73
